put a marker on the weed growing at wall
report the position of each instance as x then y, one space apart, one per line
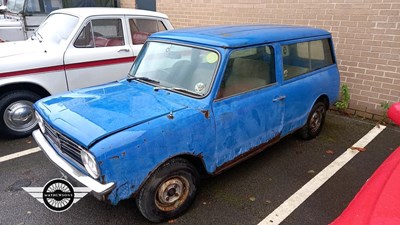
343 103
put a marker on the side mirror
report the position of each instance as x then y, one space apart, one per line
394 113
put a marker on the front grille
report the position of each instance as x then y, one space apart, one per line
64 144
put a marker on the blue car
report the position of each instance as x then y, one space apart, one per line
196 102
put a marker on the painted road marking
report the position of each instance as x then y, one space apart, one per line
294 201
19 154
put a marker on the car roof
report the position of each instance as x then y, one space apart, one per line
92 11
240 35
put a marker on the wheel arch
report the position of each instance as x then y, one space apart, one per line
24 86
324 99
195 160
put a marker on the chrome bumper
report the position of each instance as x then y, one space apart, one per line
71 171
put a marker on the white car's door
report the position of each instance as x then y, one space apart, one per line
99 54
141 27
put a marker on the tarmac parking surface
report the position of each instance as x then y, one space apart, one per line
245 194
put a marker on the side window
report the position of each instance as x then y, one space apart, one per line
248 69
33 6
101 33
85 38
320 54
43 6
304 57
161 26
142 28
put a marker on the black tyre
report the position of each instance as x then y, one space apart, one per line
315 121
169 191
17 117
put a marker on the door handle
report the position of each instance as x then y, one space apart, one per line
280 98
123 50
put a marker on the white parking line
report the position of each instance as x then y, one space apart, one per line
287 207
19 154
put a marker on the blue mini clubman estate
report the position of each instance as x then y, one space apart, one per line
196 102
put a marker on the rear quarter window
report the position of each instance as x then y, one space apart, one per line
303 57
141 29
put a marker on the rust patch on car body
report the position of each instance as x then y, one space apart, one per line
170 116
246 155
206 113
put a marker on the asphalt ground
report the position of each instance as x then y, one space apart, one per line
245 194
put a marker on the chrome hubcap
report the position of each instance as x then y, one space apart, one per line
172 193
19 116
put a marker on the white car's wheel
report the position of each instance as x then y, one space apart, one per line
17 113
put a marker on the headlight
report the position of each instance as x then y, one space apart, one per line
90 164
40 122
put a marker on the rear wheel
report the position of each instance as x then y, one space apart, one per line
315 121
169 191
17 114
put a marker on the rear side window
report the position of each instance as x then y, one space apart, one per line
42 7
142 28
304 57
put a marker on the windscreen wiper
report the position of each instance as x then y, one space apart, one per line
130 78
178 89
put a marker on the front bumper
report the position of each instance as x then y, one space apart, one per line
97 187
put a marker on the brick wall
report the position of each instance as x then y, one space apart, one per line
128 4
366 35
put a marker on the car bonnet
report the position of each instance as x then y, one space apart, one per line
16 48
91 114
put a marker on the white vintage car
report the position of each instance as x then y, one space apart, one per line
72 48
20 18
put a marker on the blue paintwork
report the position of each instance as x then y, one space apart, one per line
239 36
127 127
104 110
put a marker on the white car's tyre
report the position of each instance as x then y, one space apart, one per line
17 116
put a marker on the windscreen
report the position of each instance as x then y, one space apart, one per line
177 67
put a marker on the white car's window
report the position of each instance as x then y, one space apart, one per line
142 28
175 67
101 33
57 28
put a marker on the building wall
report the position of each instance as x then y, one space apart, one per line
366 35
128 4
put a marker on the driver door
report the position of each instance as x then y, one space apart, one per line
100 54
248 110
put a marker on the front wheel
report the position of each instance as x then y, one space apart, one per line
169 191
315 121
17 114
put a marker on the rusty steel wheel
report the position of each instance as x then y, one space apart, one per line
315 122
172 194
169 191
